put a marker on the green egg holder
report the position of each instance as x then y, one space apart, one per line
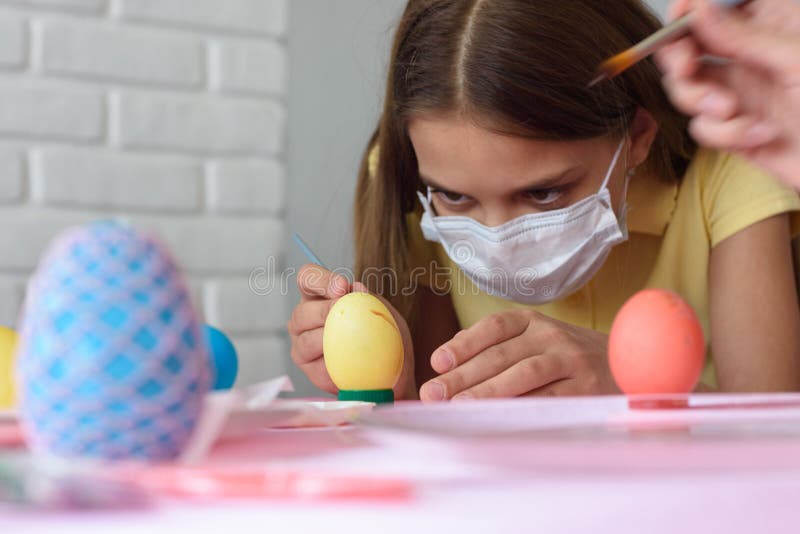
378 396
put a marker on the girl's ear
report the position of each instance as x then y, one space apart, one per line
642 132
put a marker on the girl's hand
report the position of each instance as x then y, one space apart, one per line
319 290
520 352
750 106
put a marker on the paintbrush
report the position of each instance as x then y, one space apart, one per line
313 258
671 32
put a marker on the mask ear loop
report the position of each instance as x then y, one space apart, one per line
623 207
628 175
426 200
613 164
427 223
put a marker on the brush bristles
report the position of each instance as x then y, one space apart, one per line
614 66
618 64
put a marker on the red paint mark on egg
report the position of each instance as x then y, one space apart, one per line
656 345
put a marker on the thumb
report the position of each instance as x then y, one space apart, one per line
358 287
727 32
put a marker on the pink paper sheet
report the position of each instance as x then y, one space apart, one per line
548 466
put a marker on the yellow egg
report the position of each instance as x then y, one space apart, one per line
8 343
362 344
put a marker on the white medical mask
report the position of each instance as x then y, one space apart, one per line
535 258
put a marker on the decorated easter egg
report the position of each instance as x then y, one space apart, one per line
112 363
224 362
363 348
656 344
8 343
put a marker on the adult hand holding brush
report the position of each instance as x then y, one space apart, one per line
749 104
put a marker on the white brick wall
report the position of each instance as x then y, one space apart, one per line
10 299
252 16
106 52
238 310
255 68
10 175
261 360
79 6
96 179
201 124
246 186
169 113
13 42
51 112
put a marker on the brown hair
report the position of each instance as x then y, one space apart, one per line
518 67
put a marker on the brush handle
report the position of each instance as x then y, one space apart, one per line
672 31
313 258
675 30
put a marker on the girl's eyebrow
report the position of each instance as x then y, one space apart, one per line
550 181
434 186
431 183
541 183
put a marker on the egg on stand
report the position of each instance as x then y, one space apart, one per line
656 349
363 348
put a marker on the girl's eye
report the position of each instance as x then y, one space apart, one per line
450 198
544 196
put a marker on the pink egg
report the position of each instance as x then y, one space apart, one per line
656 345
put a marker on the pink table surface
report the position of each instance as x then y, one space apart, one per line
588 465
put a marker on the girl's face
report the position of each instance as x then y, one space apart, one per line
494 178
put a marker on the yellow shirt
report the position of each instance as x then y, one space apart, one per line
672 229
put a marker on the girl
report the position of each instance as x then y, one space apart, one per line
513 210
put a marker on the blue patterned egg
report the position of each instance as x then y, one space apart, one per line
112 363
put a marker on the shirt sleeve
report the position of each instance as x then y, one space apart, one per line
735 194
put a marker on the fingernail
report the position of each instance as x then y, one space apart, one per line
760 133
340 285
434 391
464 396
442 360
714 104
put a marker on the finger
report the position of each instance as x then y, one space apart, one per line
487 332
525 376
679 59
667 59
678 8
566 387
309 315
318 375
307 346
489 363
742 132
359 287
701 97
728 33
317 282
